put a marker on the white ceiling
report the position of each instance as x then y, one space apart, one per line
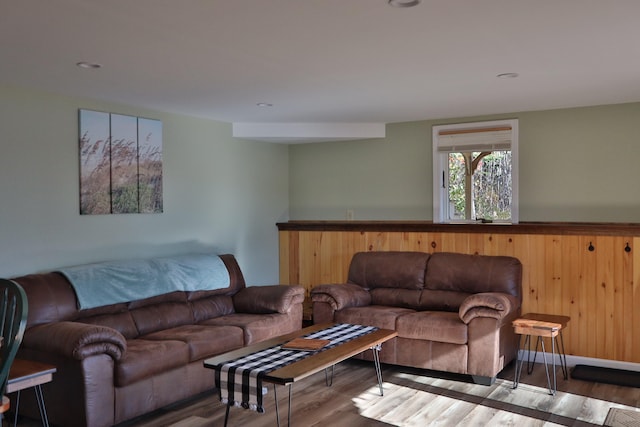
326 61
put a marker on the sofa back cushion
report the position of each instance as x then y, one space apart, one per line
471 274
176 296
441 300
166 315
212 307
403 270
121 322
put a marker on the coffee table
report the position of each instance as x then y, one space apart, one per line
313 363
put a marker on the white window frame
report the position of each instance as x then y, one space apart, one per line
441 166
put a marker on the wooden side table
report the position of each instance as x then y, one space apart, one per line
541 326
26 374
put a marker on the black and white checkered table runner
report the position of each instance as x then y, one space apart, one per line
240 380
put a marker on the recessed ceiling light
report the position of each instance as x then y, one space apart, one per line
404 3
88 65
507 75
264 104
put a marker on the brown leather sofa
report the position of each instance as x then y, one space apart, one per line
123 360
452 312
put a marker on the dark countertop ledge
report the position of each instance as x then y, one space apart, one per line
549 228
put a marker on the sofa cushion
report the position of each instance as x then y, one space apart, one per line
388 269
203 340
176 296
432 326
441 300
408 298
211 307
256 327
105 309
474 273
374 315
152 318
121 322
145 358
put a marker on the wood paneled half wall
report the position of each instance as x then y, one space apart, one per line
587 271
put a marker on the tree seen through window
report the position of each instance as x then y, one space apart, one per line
480 185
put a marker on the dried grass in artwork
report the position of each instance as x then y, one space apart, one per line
120 164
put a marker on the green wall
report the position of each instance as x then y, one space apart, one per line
578 164
221 194
225 194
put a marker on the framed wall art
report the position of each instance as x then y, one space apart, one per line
120 163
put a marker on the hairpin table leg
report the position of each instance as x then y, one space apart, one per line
376 360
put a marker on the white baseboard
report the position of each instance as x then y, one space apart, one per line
579 360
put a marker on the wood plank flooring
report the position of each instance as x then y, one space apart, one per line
411 398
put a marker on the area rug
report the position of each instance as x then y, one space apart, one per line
622 418
606 375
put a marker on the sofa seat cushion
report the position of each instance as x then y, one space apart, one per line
437 326
145 358
374 315
202 340
256 327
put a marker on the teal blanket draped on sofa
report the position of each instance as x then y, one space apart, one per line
130 280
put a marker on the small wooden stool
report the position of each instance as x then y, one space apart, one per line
541 326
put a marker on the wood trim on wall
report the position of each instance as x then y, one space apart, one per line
560 228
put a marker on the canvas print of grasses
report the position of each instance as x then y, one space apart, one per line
149 165
120 164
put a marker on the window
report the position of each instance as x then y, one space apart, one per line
475 172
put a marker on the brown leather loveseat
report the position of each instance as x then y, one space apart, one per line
118 361
452 312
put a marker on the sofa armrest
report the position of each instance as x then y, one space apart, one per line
75 340
496 305
268 299
341 296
